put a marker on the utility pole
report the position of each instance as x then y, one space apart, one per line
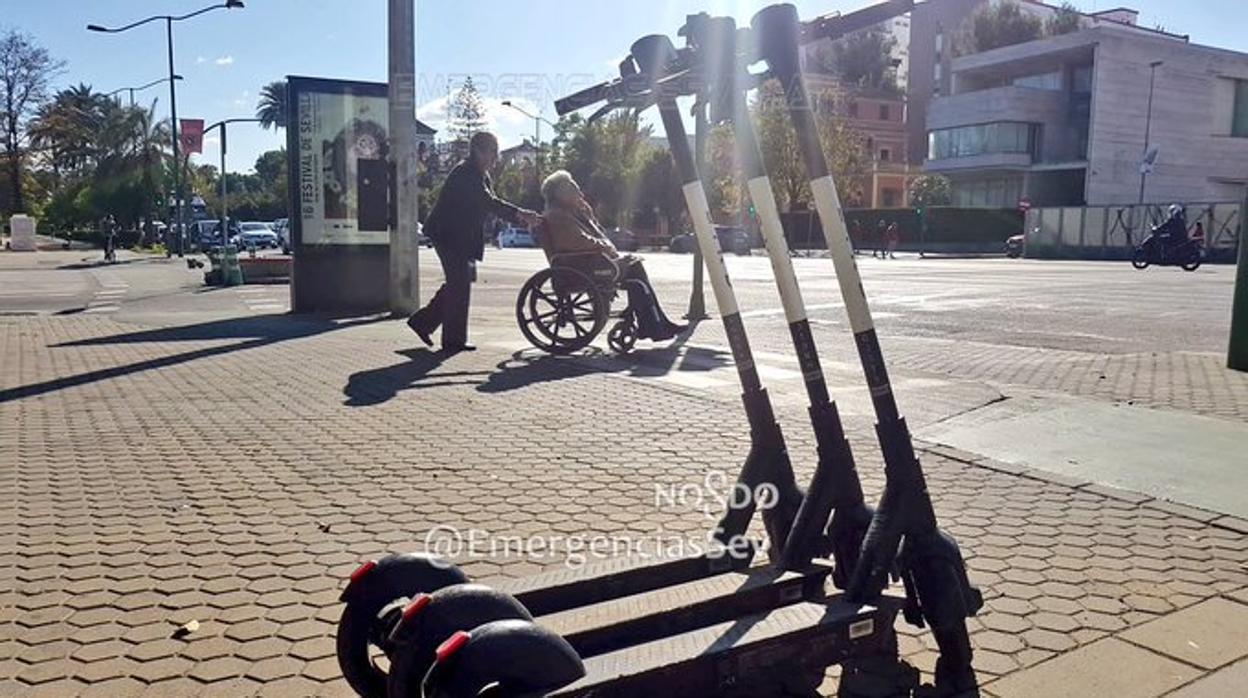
404 252
1237 355
1145 166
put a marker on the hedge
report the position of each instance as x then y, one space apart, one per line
946 225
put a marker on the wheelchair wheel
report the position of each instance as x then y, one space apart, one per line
623 334
560 311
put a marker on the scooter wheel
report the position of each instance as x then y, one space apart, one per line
372 603
502 658
429 619
1193 263
622 336
1139 258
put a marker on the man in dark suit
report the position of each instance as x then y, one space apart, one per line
455 227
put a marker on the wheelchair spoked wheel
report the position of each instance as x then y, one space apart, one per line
623 334
561 311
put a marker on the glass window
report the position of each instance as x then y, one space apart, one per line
853 110
885 154
1239 120
884 112
1044 81
983 139
1081 79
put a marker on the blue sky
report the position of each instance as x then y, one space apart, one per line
529 51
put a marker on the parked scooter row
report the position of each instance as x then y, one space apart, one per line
709 624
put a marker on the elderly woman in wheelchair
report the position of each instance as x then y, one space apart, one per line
564 308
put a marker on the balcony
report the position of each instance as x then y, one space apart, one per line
1009 103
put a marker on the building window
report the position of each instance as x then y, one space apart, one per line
884 112
983 139
891 197
1239 120
885 154
1044 81
853 110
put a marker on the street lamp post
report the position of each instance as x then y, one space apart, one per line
139 88
1148 127
225 205
173 98
537 131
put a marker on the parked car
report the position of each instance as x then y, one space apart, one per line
515 237
1014 246
624 240
731 239
281 227
258 235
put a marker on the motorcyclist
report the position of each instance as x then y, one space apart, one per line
1173 232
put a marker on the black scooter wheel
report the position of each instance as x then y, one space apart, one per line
430 619
1139 258
373 598
502 658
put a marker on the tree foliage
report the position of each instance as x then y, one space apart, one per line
863 59
1067 19
466 112
998 24
272 109
931 190
26 68
605 157
842 146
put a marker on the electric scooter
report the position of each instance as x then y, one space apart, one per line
903 532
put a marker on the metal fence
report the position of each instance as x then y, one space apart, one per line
1111 232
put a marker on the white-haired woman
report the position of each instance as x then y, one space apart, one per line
570 227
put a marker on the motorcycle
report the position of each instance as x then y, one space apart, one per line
1186 254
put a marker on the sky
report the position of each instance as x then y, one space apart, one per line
527 51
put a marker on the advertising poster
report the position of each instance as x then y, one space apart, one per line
343 145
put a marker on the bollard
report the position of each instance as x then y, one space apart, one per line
1237 354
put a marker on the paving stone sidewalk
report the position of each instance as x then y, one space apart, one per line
234 473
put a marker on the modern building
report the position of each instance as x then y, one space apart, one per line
1069 120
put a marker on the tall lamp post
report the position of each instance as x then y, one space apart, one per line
225 206
1145 165
140 88
537 130
173 97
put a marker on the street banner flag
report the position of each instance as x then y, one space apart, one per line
192 135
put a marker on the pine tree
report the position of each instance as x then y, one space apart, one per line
465 116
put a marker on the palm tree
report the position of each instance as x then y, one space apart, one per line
65 128
271 110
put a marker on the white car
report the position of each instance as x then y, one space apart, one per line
258 235
515 237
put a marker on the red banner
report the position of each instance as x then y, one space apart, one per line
191 135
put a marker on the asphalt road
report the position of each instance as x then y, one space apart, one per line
1078 306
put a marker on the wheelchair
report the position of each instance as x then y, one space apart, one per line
563 309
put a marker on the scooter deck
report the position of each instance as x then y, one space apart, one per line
630 620
566 588
726 656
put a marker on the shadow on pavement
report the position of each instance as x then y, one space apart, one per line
258 331
378 385
524 368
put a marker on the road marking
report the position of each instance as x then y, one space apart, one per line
102 309
263 299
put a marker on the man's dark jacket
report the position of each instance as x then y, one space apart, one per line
456 221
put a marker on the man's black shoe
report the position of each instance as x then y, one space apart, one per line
420 330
